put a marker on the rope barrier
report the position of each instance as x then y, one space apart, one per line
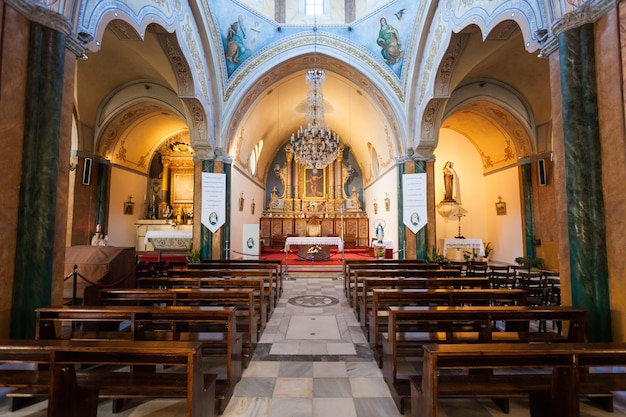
75 274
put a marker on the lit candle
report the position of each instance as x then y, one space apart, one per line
98 228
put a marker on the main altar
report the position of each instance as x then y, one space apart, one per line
312 202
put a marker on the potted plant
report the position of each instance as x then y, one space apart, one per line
193 256
530 262
488 249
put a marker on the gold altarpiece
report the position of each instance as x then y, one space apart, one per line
314 203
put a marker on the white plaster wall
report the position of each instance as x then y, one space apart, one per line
469 189
386 184
504 231
478 194
251 191
121 227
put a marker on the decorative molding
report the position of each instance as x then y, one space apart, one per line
448 63
179 64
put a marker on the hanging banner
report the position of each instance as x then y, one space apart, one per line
415 213
213 213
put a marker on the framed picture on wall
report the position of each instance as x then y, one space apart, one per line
500 208
314 183
182 188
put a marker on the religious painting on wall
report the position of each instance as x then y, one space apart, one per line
314 183
182 190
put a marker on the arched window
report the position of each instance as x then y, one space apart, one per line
254 157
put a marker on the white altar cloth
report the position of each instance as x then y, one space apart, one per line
474 244
321 240
167 234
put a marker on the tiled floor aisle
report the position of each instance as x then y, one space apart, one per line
313 360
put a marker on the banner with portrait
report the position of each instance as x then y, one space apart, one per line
213 214
415 213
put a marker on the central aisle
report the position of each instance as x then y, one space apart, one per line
312 360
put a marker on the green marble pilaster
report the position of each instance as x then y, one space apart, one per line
401 227
529 216
583 168
101 197
32 283
421 239
206 236
226 234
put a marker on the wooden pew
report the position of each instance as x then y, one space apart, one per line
275 265
553 392
382 298
443 283
353 265
215 327
267 275
73 385
411 327
356 288
257 285
241 298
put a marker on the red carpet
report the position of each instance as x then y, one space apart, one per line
335 257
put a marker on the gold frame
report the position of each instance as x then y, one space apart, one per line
306 177
182 187
500 208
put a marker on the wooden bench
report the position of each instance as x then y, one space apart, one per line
411 327
266 275
241 298
275 265
215 327
421 284
553 376
70 378
383 298
356 288
257 285
350 267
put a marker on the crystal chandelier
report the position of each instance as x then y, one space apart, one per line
315 145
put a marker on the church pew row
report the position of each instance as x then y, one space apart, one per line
242 298
552 376
214 327
382 298
258 285
410 327
68 374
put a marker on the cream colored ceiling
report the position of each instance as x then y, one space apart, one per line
355 113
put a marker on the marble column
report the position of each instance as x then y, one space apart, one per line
206 236
36 220
421 237
583 168
527 207
401 226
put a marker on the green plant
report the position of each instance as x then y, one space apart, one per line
469 255
488 249
530 262
434 256
193 256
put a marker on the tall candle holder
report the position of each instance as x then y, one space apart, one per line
460 214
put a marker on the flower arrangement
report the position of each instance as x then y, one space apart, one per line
314 249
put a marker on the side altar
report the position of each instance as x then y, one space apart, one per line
310 202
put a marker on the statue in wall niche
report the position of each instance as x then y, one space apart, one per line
273 199
448 182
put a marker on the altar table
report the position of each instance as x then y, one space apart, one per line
474 244
169 239
310 241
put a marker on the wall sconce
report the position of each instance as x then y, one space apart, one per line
500 207
387 202
241 200
375 207
252 206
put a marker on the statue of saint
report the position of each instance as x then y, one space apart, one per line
448 182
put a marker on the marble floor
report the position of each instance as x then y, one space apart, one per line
312 361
